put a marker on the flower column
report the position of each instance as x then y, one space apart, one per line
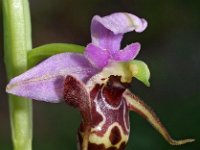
17 42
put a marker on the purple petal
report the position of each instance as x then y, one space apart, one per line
97 56
46 81
107 32
128 53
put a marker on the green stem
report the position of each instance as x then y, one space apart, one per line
17 42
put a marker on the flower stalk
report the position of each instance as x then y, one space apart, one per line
17 43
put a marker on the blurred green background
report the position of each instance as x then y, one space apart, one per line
170 46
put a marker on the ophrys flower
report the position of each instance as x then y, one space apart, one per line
96 83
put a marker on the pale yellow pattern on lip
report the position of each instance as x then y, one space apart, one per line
94 138
100 125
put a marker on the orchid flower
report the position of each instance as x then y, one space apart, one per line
96 83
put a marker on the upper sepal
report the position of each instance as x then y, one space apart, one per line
107 32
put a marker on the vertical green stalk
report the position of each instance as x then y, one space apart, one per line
17 42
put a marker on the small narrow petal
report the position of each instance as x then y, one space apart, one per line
97 56
45 82
128 53
107 32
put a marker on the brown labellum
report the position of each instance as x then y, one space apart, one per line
105 113
109 117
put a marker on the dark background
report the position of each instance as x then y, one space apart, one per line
170 46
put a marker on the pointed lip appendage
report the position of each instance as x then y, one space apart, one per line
138 106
